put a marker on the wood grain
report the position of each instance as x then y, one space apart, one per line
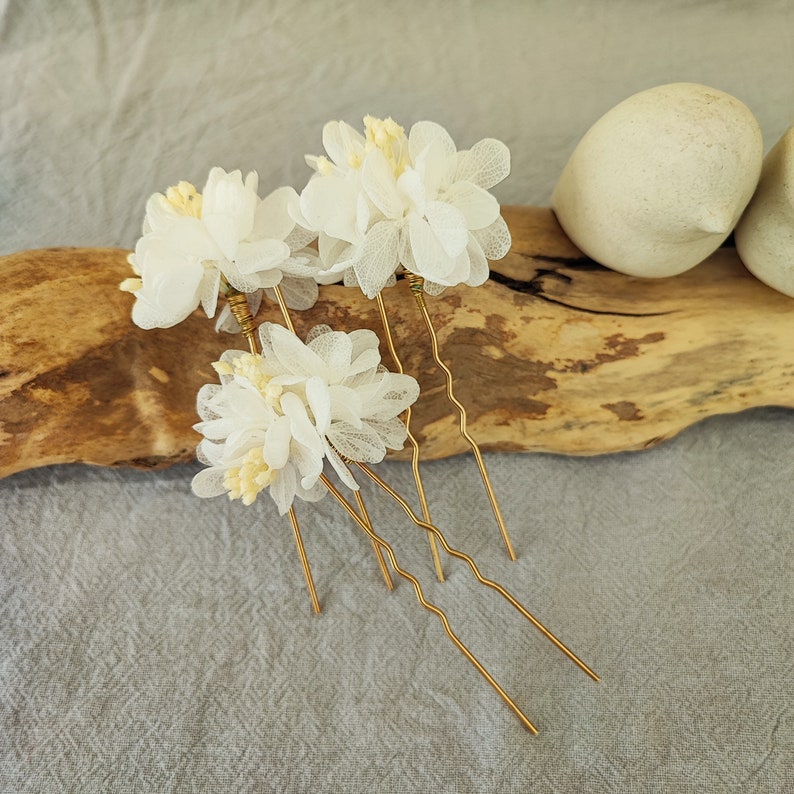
554 353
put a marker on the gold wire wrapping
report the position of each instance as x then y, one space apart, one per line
238 304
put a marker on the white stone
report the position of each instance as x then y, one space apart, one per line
765 233
659 181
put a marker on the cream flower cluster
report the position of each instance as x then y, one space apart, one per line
383 200
275 417
195 244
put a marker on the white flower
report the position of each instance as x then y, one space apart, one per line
276 416
194 243
385 200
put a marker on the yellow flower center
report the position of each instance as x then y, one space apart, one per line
250 367
252 476
388 136
184 199
131 285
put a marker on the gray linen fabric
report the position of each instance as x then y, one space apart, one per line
153 642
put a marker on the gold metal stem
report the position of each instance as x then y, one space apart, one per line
378 553
285 313
417 288
427 605
242 313
420 490
304 561
475 570
282 304
238 303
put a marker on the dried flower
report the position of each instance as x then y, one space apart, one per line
194 244
275 416
383 200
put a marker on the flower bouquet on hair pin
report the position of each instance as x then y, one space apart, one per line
381 205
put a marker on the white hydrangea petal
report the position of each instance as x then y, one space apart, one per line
406 253
159 216
333 142
319 399
293 355
398 393
259 255
335 349
303 431
486 164
205 394
363 215
366 361
272 218
277 443
305 265
430 258
209 482
346 405
185 234
226 322
392 432
228 207
225 233
209 290
308 463
449 226
170 290
340 467
330 249
425 133
378 258
363 339
209 453
340 140
479 264
495 240
241 440
252 182
283 488
244 282
329 204
365 378
299 238
377 178
356 443
478 206
299 293
433 288
218 429
313 494
147 315
317 330
411 185
350 279
461 273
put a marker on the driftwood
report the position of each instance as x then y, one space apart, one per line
554 353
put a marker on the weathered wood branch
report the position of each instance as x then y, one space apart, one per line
554 353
